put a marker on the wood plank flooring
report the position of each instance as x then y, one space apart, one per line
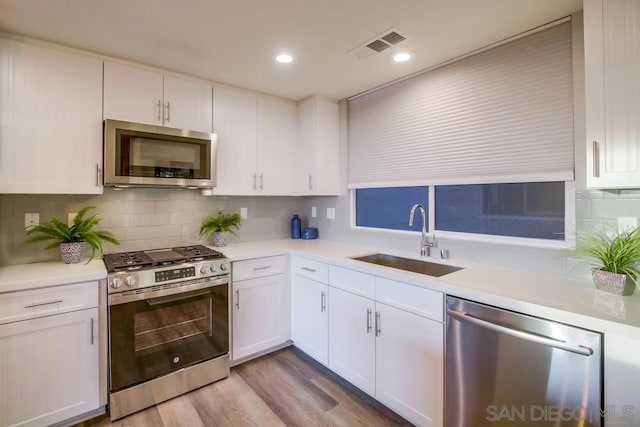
285 388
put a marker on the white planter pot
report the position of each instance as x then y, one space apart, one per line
619 284
72 253
220 238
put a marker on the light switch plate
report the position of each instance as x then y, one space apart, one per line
627 223
314 212
243 213
31 219
331 213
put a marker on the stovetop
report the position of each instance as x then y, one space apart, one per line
158 257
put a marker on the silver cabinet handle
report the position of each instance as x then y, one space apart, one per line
310 270
368 320
98 174
255 181
210 317
595 148
238 299
378 324
563 345
266 267
261 181
159 116
323 304
310 182
58 301
168 112
92 331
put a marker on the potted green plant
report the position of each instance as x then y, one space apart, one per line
615 259
74 239
219 225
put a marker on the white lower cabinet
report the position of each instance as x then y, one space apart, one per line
49 371
352 340
260 312
410 366
310 323
394 351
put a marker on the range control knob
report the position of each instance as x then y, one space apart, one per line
203 269
130 281
213 268
116 282
223 267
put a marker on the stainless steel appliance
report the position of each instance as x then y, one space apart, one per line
507 369
145 155
168 324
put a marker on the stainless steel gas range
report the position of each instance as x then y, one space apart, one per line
168 324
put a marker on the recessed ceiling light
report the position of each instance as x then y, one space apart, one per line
402 57
283 58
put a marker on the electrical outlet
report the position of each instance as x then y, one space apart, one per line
243 213
70 217
31 219
314 212
627 223
331 213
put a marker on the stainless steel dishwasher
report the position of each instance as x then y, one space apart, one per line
508 369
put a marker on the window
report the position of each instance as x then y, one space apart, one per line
531 209
389 207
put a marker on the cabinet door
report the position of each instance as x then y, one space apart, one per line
49 370
319 136
612 92
352 339
409 365
309 317
235 122
50 110
260 315
278 153
188 104
132 94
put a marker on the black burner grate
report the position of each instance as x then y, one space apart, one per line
127 261
198 252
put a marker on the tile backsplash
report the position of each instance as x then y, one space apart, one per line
141 218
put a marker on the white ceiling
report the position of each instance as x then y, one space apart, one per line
232 41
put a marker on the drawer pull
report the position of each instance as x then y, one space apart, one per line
323 304
378 326
92 331
368 320
310 270
43 303
266 267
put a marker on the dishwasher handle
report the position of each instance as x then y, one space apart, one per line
563 345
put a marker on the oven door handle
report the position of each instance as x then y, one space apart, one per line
172 298
115 299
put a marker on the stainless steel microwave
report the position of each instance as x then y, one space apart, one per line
142 155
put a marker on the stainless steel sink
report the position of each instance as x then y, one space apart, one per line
408 264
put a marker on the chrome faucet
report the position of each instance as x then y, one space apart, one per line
425 246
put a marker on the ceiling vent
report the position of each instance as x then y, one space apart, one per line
383 41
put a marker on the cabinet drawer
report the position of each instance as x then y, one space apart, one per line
352 281
315 270
421 301
15 306
259 267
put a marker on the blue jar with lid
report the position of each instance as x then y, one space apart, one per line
296 227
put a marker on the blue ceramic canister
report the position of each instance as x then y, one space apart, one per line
296 227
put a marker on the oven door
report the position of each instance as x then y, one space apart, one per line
156 336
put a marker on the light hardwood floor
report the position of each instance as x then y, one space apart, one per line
285 388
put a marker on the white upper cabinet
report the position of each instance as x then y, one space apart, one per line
319 136
235 121
612 92
278 154
256 144
50 120
144 96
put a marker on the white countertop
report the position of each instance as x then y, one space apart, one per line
576 302
45 274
